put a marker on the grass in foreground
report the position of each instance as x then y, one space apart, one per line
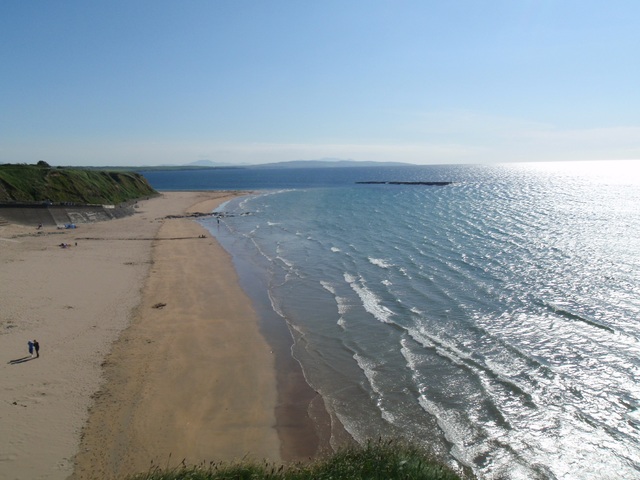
374 461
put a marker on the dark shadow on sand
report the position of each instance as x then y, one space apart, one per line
21 360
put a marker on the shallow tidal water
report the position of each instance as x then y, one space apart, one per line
495 320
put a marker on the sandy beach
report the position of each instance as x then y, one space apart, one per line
150 352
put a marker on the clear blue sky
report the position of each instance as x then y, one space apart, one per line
154 82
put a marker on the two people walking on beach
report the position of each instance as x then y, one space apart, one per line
34 346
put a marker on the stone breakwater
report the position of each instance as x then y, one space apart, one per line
440 184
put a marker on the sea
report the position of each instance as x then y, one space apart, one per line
494 320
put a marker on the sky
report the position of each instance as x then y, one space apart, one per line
154 82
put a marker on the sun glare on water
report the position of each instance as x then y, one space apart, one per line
619 172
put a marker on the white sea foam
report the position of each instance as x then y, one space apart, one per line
444 349
286 262
454 430
274 305
335 249
259 249
328 287
370 301
380 262
343 305
349 278
368 367
409 356
453 427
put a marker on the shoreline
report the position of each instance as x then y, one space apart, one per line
90 306
305 427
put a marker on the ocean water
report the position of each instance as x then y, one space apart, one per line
495 320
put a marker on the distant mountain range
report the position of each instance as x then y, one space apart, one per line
203 164
206 163
321 163
327 163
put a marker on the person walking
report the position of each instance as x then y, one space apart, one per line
36 346
30 344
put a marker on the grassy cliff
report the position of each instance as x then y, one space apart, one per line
39 183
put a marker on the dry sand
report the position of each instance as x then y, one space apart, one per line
191 380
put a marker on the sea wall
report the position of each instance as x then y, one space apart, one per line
60 215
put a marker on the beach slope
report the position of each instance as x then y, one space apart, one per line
143 321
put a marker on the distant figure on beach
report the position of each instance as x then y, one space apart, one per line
30 343
36 346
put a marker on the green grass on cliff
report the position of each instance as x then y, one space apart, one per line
381 460
39 183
